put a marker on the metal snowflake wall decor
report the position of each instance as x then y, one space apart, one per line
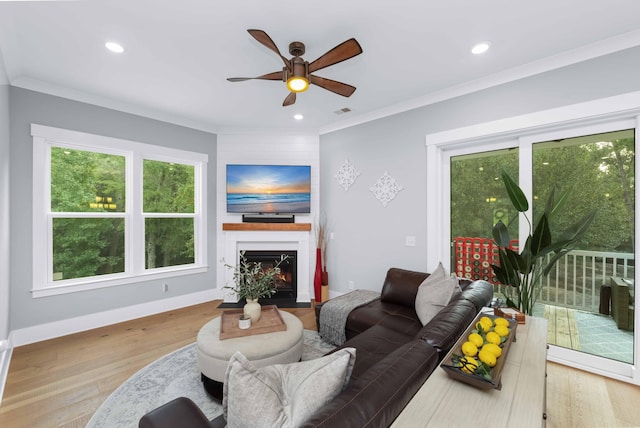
386 188
347 175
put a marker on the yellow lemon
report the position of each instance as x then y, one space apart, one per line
487 357
468 364
469 349
493 337
501 321
493 348
476 339
484 324
486 320
501 330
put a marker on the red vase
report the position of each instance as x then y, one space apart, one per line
317 278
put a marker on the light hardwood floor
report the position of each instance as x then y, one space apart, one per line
61 382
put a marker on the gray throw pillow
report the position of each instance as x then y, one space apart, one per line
435 292
282 395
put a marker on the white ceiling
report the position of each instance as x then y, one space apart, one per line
178 53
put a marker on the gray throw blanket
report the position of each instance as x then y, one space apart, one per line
334 313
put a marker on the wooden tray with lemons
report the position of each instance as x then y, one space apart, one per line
478 356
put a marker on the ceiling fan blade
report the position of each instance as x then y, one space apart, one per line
342 52
333 86
265 40
291 99
276 75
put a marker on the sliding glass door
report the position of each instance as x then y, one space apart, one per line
598 171
589 296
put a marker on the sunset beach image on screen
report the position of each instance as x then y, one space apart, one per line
269 189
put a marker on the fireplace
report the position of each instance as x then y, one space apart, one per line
277 238
287 283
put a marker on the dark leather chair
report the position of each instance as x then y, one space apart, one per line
177 413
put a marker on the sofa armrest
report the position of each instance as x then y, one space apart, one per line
444 330
479 293
317 308
378 397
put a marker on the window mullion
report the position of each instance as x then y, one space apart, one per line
135 250
201 233
525 178
198 231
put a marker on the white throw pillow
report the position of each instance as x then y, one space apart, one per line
282 395
435 292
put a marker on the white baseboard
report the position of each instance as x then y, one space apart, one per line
37 333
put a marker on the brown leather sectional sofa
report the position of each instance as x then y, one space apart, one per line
395 354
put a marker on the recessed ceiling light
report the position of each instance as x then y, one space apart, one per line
298 116
114 47
480 48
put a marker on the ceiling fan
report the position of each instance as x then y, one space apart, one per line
297 72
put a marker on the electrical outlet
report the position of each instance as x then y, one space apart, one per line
410 241
165 287
351 285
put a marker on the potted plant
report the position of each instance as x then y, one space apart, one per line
252 282
523 272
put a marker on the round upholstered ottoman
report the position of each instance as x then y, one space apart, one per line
280 347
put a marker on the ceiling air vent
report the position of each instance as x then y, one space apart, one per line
343 110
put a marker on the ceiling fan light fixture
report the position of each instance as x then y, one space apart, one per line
297 84
297 73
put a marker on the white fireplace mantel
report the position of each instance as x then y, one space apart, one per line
271 237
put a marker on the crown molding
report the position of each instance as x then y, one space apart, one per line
100 101
311 132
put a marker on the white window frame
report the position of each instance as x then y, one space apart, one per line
45 137
614 113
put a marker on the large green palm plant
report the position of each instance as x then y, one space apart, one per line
523 272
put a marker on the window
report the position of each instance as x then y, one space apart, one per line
110 212
87 213
168 210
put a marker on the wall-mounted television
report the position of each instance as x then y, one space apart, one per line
268 189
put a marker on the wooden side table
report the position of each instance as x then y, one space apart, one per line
521 402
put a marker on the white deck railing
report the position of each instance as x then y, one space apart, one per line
576 279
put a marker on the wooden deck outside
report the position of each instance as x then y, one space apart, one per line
563 329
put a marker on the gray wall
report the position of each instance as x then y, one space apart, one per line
29 107
4 211
369 239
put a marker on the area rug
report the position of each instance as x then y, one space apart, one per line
174 375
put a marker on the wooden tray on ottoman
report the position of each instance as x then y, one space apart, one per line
269 322
496 371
